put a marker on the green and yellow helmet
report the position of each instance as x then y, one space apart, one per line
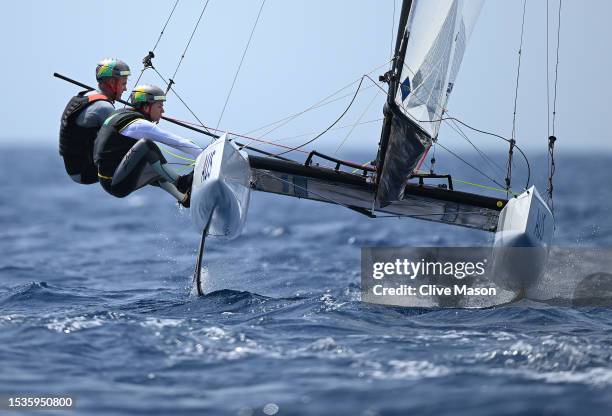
146 94
111 68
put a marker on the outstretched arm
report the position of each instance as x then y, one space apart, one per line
142 129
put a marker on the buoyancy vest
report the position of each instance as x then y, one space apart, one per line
76 143
111 146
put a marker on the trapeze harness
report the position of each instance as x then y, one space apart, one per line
76 143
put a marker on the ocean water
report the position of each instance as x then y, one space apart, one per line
96 303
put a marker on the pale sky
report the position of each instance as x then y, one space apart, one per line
301 52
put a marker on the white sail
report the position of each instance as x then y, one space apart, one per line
438 34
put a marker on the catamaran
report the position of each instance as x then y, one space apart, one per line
429 47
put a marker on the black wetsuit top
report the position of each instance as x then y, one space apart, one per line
111 146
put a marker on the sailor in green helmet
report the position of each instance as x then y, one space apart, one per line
83 117
126 154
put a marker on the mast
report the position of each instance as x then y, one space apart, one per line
401 41
429 48
390 180
392 77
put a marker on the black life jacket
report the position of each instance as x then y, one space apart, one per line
76 143
111 146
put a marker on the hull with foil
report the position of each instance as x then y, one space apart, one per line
220 191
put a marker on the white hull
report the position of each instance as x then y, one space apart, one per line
221 189
522 241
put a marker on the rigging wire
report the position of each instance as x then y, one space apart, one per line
548 152
490 134
472 128
147 59
551 137
165 24
280 123
277 141
518 71
299 150
202 124
171 88
456 129
556 71
320 103
241 62
357 122
518 74
470 165
288 119
482 154
180 62
242 136
475 129
454 119
392 32
171 81
330 126
285 120
547 71
316 105
346 126
478 185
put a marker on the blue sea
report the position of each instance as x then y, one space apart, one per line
96 303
